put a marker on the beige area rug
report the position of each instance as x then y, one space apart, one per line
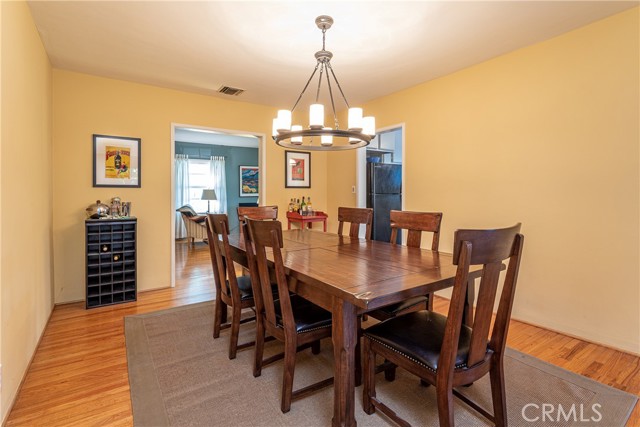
180 376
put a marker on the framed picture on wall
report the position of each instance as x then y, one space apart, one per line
249 181
116 161
297 169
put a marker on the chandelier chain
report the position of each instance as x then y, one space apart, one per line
322 69
305 87
333 105
339 87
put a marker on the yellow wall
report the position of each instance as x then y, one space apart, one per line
84 105
25 196
546 135
549 136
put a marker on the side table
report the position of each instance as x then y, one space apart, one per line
307 219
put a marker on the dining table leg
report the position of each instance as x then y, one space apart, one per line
345 337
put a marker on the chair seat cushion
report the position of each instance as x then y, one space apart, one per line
394 309
307 315
244 286
419 336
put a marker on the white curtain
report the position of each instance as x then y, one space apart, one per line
182 191
219 184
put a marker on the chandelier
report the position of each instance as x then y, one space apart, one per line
317 136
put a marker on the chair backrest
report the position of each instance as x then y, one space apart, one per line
488 248
222 263
257 212
252 266
415 223
355 216
263 235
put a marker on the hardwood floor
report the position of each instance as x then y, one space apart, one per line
79 372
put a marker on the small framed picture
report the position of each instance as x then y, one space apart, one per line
116 161
249 181
297 169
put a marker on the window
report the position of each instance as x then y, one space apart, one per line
199 179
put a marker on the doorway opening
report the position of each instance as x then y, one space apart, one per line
380 178
215 171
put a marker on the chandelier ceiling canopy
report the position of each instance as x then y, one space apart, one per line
318 137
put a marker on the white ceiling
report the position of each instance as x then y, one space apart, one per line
267 47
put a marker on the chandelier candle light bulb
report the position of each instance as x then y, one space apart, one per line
355 119
359 131
369 125
326 139
284 120
316 116
296 139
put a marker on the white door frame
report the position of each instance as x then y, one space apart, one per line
262 167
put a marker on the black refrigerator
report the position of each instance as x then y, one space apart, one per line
384 193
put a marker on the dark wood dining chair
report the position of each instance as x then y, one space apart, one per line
296 322
355 217
231 291
440 349
415 223
257 212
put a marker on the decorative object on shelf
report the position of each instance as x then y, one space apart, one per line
97 210
208 195
116 207
359 132
116 161
249 181
297 168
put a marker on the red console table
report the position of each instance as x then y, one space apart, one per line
307 219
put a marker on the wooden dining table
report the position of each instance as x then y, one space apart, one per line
349 277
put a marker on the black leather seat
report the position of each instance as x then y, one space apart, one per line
419 334
394 309
244 286
306 315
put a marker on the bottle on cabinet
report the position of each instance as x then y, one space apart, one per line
303 207
309 207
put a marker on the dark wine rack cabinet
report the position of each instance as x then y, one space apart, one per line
111 261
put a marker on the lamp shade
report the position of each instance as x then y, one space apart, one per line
208 195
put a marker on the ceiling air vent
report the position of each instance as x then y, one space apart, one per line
228 90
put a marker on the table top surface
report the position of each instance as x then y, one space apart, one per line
368 274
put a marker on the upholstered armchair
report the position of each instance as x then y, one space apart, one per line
194 223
